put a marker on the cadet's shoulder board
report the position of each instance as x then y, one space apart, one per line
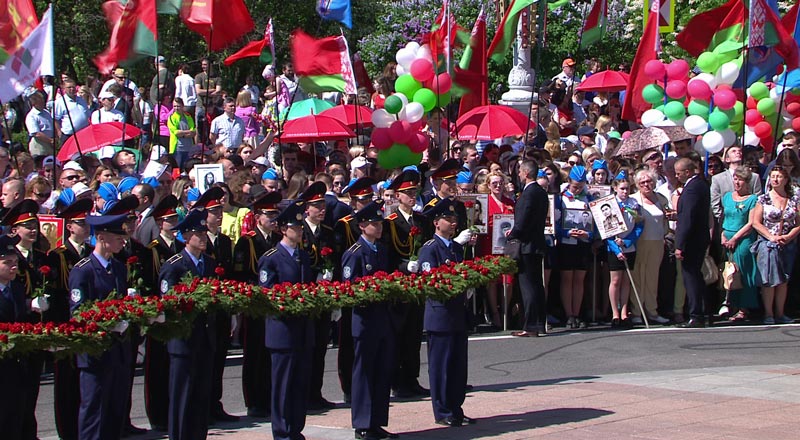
433 202
430 242
346 218
152 244
83 262
326 227
58 250
175 258
250 234
356 246
270 252
392 216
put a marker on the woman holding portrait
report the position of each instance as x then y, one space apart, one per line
498 204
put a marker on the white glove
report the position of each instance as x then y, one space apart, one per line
413 266
336 314
132 292
327 275
319 277
120 327
470 292
464 237
159 319
40 304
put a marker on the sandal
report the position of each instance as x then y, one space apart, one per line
738 317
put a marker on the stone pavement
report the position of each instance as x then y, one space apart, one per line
754 402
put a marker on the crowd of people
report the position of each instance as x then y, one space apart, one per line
312 211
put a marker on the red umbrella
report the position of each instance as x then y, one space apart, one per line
489 122
352 115
313 128
95 137
605 81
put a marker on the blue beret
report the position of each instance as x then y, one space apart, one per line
192 195
152 181
464 177
600 164
107 191
387 183
578 173
270 174
127 184
66 197
622 175
542 173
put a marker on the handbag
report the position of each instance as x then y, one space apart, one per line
731 278
710 270
513 249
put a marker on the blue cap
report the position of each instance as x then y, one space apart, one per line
600 164
442 208
152 181
108 223
66 197
270 174
373 212
412 168
578 173
464 177
541 173
107 191
195 221
192 195
622 175
127 184
386 184
292 214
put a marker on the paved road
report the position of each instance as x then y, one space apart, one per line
730 382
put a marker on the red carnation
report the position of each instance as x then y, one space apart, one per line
4 339
220 271
325 251
469 204
133 259
45 270
415 230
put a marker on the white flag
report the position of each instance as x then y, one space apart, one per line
33 59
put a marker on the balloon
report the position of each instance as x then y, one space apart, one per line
414 112
396 156
758 90
793 108
416 126
695 125
763 130
393 104
796 124
381 138
652 117
426 97
751 102
400 132
382 119
424 52
727 73
670 122
698 108
418 143
713 142
442 83
443 100
728 137
677 69
422 70
405 57
674 110
653 94
655 70
724 99
402 97
718 120
708 62
699 89
766 106
752 117
768 144
413 46
407 85
676 89
750 138
400 70
738 110
706 78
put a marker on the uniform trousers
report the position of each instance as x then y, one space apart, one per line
255 364
290 370
447 372
372 379
104 386
66 397
156 382
190 394
345 355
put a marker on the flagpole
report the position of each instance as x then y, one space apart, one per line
54 91
779 122
541 18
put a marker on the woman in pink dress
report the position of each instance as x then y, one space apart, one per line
498 204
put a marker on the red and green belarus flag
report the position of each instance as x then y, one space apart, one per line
595 26
711 28
323 65
133 33
507 30
17 20
263 49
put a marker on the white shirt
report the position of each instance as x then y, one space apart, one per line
129 84
254 93
230 132
78 113
39 121
185 89
103 115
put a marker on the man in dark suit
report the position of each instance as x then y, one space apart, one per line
190 364
146 227
290 339
530 213
334 208
692 237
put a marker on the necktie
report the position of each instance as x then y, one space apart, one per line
201 267
5 292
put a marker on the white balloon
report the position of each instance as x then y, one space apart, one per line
727 73
750 138
405 57
382 119
695 125
773 93
669 123
413 112
713 142
707 78
400 70
652 117
425 52
787 122
728 137
402 97
413 46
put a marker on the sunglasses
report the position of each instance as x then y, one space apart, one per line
338 183
42 195
572 162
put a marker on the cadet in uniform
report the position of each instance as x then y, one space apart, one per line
249 248
189 366
104 379
446 323
316 236
372 331
289 339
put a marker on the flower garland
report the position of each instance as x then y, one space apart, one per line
94 326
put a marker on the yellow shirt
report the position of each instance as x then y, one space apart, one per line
232 223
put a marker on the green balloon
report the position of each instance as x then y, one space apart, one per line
737 126
398 155
718 120
393 104
739 112
729 112
653 94
407 85
674 110
659 108
699 108
758 90
426 97
766 106
708 62
443 100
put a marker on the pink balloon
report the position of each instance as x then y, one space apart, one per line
763 130
442 83
417 126
752 117
654 69
400 132
626 135
699 90
796 124
422 70
677 69
676 89
418 143
793 108
381 138
724 99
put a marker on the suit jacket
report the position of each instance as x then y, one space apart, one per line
722 184
451 315
374 320
275 267
692 230
530 213
147 230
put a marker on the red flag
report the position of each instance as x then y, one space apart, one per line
133 33
362 77
220 22
472 73
17 20
707 30
446 34
635 104
789 19
258 48
324 64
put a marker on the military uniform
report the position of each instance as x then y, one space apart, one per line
104 379
255 361
290 339
189 366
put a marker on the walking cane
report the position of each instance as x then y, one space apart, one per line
636 294
506 291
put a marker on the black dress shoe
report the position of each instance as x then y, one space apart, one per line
257 412
133 430
159 428
449 421
692 323
382 433
222 416
469 387
468 420
402 393
419 390
367 434
320 404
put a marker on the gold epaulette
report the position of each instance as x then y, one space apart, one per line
152 244
346 218
432 203
249 234
392 216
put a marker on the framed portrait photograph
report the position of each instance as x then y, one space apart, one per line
389 209
550 220
206 175
598 191
577 219
52 228
608 216
502 223
477 206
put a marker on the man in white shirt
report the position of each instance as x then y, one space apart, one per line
227 128
70 112
567 74
252 89
120 76
39 124
107 113
185 88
